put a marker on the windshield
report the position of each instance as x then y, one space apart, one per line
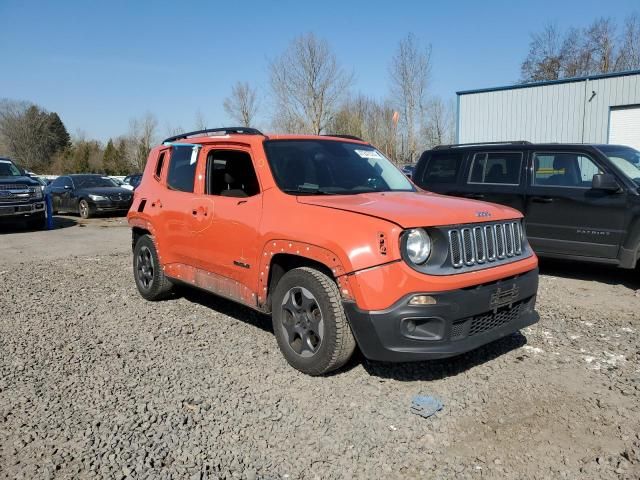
8 169
626 159
91 181
327 167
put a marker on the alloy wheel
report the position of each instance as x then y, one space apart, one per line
145 267
302 321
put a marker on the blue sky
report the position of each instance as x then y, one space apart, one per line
99 64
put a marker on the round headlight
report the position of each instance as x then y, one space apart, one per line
417 245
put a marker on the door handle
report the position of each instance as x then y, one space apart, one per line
542 199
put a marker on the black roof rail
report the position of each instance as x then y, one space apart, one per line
223 131
348 137
454 145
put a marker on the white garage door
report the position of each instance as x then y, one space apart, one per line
624 126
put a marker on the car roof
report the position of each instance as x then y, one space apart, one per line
518 146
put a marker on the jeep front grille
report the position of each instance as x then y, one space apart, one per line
478 244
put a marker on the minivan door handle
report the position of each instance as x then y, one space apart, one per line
542 199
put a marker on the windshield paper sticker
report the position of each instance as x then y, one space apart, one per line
368 154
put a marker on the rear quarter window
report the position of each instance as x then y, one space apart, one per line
441 168
182 168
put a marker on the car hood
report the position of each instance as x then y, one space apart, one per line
104 191
18 181
415 209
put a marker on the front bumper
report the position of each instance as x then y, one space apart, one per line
460 321
112 206
22 210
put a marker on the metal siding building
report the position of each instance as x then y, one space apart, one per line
565 111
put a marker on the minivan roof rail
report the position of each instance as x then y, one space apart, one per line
348 137
454 145
222 131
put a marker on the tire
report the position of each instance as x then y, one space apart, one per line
309 322
84 209
148 274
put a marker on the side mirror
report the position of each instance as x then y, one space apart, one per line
605 182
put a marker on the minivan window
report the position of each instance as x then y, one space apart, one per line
442 168
496 168
563 169
182 168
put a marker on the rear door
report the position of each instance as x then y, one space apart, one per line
495 176
564 215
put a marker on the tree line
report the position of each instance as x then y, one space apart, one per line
602 47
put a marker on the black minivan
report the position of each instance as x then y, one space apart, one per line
580 201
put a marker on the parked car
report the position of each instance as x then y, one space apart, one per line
88 194
131 182
21 198
408 170
335 242
580 202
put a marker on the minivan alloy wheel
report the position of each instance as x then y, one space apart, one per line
302 321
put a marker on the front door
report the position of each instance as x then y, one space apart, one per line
564 215
228 244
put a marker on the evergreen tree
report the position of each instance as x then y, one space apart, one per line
60 138
109 159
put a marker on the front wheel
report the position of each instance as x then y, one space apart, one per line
84 209
309 322
147 271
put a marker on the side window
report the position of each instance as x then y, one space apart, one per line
159 166
182 168
230 173
442 168
496 168
58 182
563 169
66 182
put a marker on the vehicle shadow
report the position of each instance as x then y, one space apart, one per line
23 227
406 371
430 370
608 274
226 307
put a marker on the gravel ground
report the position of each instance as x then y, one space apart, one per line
95 382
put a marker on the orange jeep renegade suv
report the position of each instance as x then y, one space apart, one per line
324 233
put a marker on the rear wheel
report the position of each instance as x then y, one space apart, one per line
84 209
309 322
147 271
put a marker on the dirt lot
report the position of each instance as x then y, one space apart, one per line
96 382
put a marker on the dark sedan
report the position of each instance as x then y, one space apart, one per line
87 195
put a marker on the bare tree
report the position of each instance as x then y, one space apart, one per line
578 52
142 137
200 122
308 85
368 119
242 104
629 53
439 128
410 70
544 60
